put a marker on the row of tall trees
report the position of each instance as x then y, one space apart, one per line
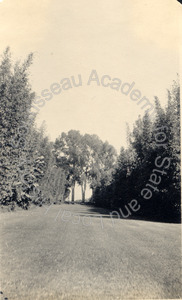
28 170
149 169
35 170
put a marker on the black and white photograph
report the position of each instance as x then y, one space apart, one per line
90 149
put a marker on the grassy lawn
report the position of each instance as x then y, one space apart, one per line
73 253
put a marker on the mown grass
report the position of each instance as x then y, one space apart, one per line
44 257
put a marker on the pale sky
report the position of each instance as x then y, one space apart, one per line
134 40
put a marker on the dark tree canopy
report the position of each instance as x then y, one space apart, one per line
152 157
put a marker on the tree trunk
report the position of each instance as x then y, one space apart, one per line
83 192
83 188
73 193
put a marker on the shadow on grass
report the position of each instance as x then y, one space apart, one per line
108 213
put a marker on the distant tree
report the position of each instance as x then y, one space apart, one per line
86 159
68 155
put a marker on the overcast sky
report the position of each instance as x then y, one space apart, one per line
134 40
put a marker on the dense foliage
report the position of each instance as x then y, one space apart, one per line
35 170
26 156
149 169
85 158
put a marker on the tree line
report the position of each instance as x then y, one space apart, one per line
149 169
28 170
34 170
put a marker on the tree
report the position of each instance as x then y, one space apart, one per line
26 154
149 140
85 159
16 98
68 155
